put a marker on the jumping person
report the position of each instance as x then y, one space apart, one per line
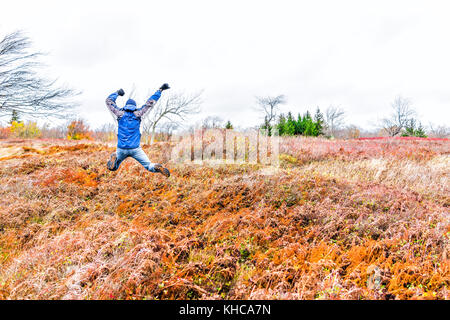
129 135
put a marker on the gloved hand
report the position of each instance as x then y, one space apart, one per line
120 92
165 86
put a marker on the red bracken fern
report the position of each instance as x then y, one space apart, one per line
71 229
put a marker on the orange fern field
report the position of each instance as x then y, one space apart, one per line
337 219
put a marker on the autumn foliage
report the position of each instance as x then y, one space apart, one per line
78 130
337 220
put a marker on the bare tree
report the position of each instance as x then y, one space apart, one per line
334 118
22 89
402 113
270 107
107 132
439 131
163 132
174 108
212 122
168 127
351 132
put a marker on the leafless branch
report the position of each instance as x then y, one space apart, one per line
21 87
175 109
212 122
334 118
402 112
439 131
270 106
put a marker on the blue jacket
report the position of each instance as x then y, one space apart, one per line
129 118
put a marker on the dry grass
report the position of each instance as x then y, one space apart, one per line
332 218
427 177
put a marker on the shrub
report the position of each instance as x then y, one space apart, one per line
414 130
5 132
78 130
25 130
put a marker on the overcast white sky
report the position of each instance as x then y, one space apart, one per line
357 55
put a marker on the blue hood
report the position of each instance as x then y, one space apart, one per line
130 105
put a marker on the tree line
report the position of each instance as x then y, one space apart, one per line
23 92
306 125
402 121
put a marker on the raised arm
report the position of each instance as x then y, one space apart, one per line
151 101
111 103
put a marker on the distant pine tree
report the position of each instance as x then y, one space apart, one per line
310 128
420 132
319 123
308 116
413 130
267 127
281 124
309 125
301 124
228 125
297 125
15 117
290 125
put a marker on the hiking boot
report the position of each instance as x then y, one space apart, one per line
159 168
112 161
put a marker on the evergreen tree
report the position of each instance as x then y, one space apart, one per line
297 125
301 124
309 127
304 125
413 130
15 117
281 124
266 126
228 125
420 132
409 128
319 122
307 116
290 125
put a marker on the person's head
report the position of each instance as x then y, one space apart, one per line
131 101
130 105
